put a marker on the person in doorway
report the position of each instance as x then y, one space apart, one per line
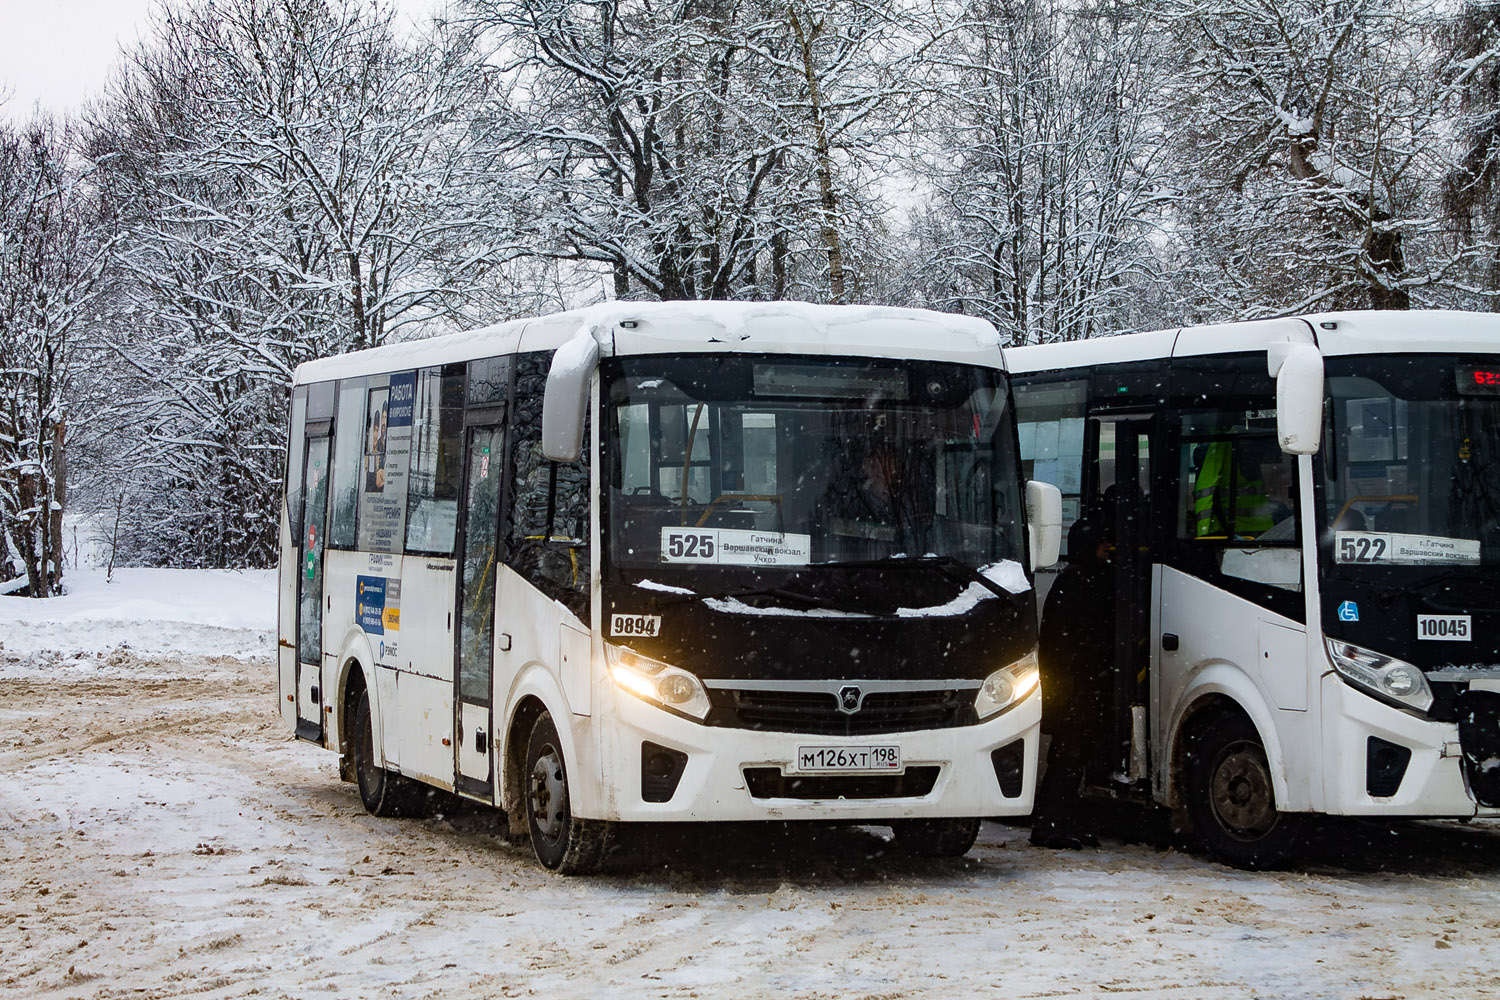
1230 498
1076 655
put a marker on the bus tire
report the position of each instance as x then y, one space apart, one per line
562 842
382 792
1232 799
936 838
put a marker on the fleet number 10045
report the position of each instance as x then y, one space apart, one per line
1454 628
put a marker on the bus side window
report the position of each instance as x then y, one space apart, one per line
348 450
1236 499
436 461
1050 419
296 448
560 569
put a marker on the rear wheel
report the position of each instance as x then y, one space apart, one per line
936 838
383 792
562 842
1232 798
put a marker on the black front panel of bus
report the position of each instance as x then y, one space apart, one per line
785 643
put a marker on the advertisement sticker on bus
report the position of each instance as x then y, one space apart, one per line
369 604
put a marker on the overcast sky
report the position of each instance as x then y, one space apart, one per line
59 52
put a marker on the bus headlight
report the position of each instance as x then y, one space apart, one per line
655 681
1383 676
1007 686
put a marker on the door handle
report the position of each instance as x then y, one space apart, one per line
1169 641
481 742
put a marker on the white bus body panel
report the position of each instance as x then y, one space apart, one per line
528 634
1396 332
1223 641
774 328
424 713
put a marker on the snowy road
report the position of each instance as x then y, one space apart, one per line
161 837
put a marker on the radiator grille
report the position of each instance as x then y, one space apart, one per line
817 712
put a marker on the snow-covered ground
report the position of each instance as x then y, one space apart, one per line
149 612
160 836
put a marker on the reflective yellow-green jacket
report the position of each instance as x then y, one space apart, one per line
1217 500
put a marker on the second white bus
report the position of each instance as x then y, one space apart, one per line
1306 514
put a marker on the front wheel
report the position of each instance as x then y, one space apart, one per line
562 842
1232 799
936 838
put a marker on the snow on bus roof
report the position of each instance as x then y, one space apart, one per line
672 327
1358 332
1409 331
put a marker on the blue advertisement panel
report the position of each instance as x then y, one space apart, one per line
369 604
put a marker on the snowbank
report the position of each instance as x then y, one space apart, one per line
211 613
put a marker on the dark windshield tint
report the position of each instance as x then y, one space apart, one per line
1411 465
787 462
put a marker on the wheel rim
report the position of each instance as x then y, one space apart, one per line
547 794
1242 796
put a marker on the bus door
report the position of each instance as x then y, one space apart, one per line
479 556
1122 498
310 581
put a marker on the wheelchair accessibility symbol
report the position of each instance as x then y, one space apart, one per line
1348 612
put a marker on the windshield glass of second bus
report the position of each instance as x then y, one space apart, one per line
791 462
1411 471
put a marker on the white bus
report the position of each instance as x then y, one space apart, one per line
1306 515
669 562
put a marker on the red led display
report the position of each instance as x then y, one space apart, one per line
1476 381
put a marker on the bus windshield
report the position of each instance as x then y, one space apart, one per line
1411 465
790 462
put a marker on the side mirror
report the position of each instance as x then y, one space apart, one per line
565 403
1044 523
1298 369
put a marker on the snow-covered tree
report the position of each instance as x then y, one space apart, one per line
1317 134
1046 168
1471 190
52 259
703 148
298 181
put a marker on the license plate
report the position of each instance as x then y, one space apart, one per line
839 759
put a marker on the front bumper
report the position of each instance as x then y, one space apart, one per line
1433 782
713 785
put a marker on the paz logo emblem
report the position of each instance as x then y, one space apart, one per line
849 699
